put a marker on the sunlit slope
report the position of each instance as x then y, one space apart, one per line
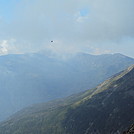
106 109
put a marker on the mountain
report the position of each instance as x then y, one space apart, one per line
26 79
130 130
106 109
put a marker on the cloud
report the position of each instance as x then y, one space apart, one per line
8 47
3 47
78 23
98 51
81 16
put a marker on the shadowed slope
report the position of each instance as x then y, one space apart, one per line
107 109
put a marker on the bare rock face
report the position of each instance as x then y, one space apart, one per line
130 130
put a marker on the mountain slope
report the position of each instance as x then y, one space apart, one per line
34 78
106 109
130 130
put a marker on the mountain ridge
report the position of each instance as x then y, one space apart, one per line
106 110
34 78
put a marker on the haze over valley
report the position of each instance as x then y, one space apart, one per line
66 66
27 79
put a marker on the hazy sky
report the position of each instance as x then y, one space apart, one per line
93 26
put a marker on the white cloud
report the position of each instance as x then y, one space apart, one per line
98 51
81 16
38 22
3 47
81 19
8 47
60 49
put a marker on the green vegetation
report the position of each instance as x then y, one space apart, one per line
105 109
28 79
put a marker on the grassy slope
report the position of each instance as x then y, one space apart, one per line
105 109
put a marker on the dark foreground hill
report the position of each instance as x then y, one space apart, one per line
130 130
34 78
106 109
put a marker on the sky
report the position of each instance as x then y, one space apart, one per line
91 26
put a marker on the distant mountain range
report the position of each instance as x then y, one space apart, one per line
26 79
106 109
